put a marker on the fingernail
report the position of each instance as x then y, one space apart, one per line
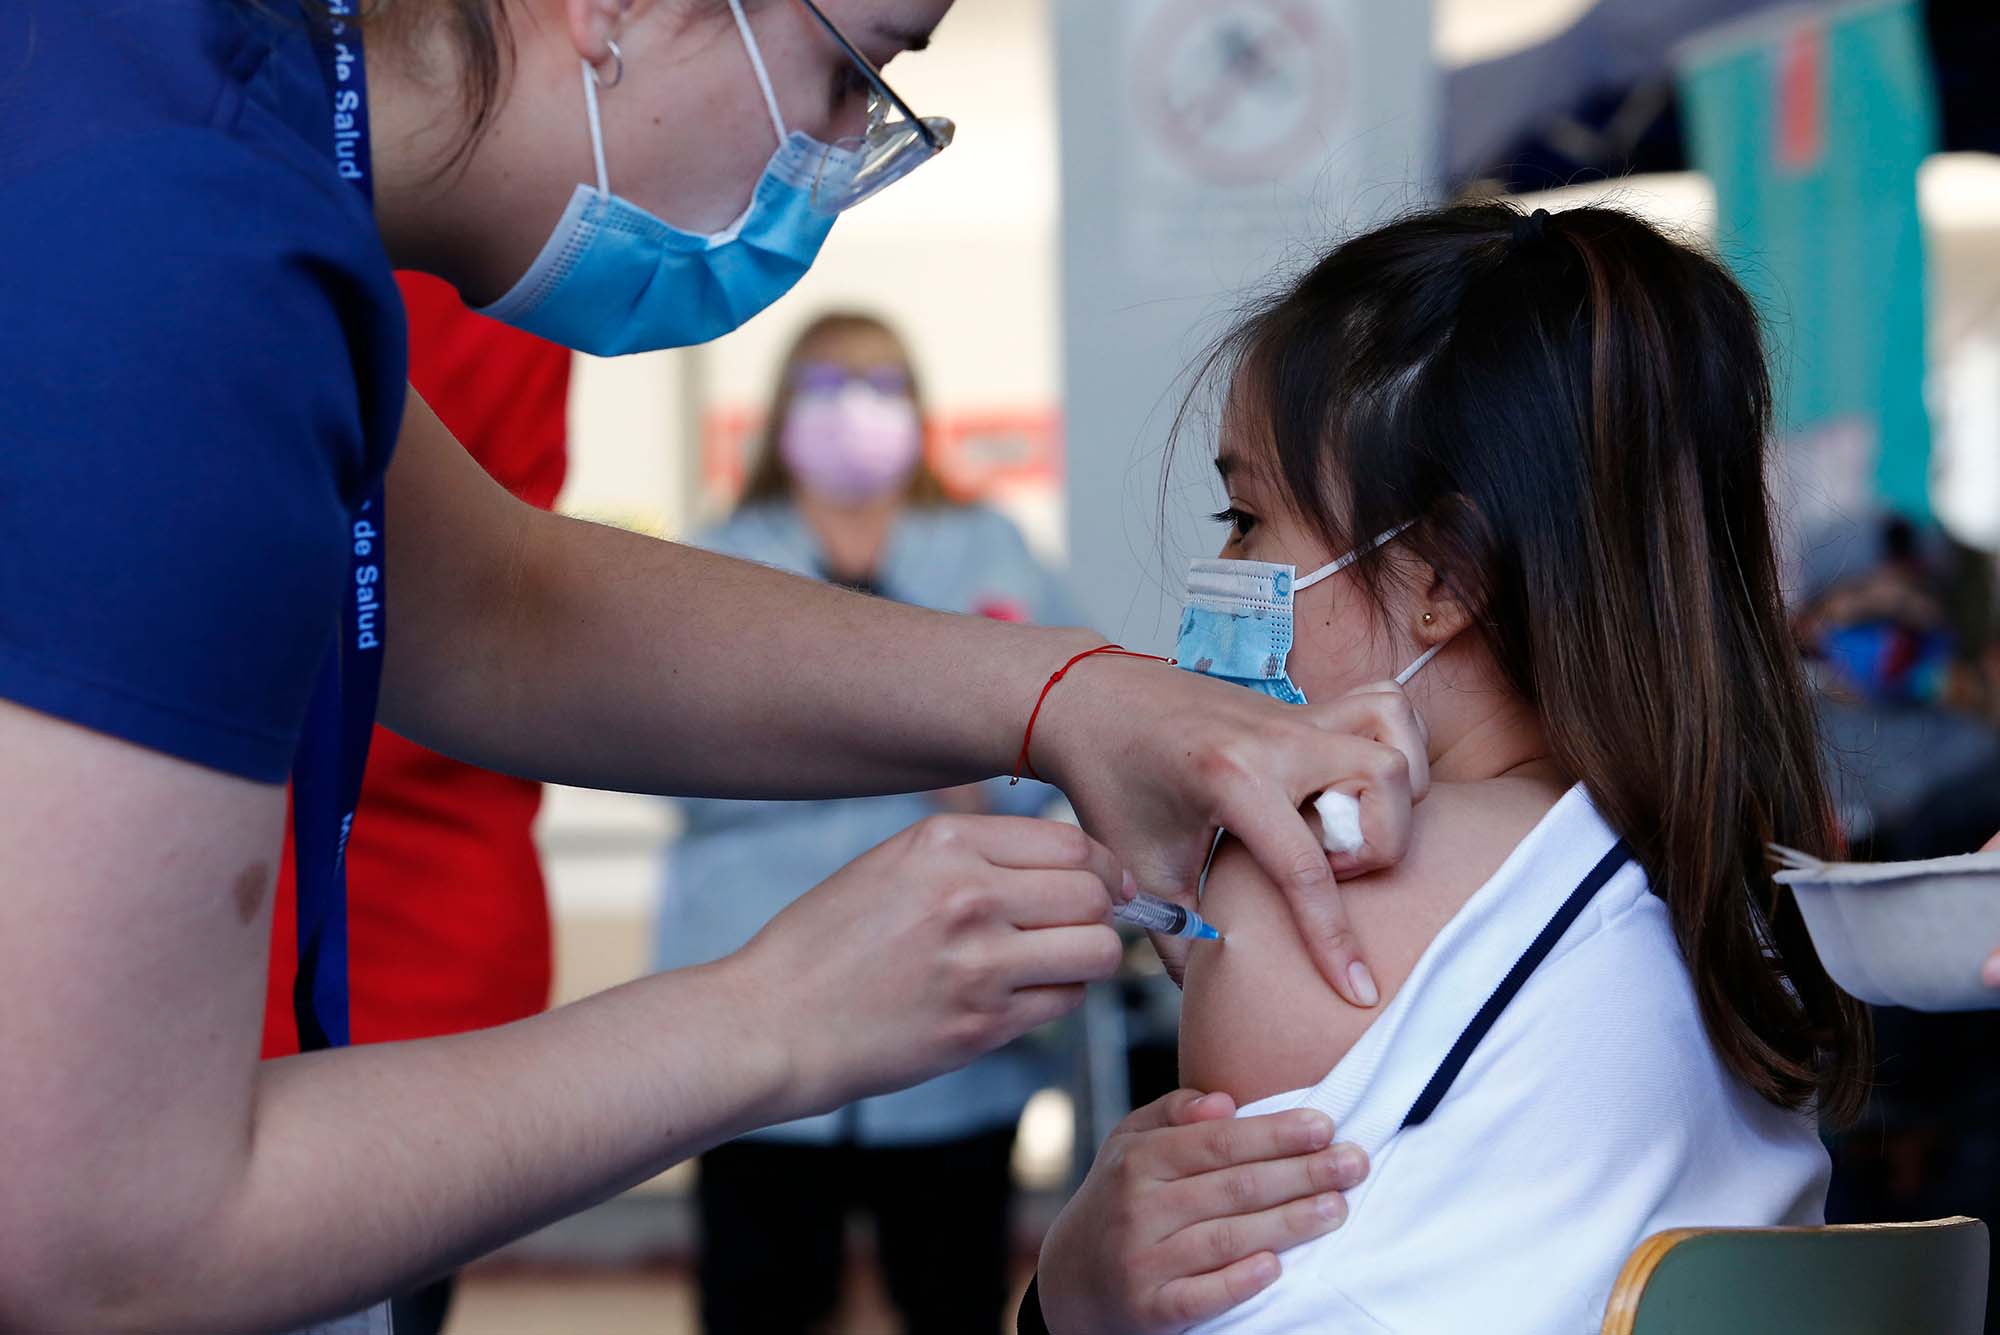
1990 975
1215 1103
1349 1163
1331 1206
1130 886
1265 1269
1363 984
1319 1130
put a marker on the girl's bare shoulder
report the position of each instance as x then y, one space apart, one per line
1257 1019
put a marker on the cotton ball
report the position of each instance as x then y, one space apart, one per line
1339 822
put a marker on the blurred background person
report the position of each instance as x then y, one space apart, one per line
841 492
1895 623
447 914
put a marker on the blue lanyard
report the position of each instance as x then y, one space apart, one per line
340 720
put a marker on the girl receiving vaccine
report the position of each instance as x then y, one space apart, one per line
1533 448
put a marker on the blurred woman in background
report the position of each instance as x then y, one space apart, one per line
841 492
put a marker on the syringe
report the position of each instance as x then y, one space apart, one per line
1158 915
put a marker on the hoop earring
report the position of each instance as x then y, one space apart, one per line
618 67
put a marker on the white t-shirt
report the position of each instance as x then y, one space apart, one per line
1590 1115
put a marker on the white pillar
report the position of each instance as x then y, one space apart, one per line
1204 144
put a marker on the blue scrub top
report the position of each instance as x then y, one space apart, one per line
202 367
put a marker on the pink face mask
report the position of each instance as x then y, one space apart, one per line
855 442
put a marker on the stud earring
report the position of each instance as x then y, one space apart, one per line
1429 618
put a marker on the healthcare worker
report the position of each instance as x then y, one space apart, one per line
202 367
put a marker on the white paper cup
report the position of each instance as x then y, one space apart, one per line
1904 933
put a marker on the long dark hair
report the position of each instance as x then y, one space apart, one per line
1576 407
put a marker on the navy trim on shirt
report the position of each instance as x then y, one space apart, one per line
1537 951
1029 1319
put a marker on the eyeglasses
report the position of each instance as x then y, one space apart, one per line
832 377
884 153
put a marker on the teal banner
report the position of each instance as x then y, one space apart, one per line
1811 123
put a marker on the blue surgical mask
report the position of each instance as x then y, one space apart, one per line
1237 623
612 278
1890 663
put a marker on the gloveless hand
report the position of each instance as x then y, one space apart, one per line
1157 760
1184 1212
954 937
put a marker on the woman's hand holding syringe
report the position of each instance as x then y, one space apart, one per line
1339 818
945 942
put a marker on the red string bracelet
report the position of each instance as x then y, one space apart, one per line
1023 765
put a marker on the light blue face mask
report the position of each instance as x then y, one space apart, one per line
612 278
1237 623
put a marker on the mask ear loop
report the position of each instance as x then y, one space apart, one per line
596 123
757 64
1335 567
1332 568
1403 677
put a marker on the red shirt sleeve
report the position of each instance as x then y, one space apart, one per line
503 393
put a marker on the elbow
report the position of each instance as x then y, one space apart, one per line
43 1290
73 1270
43 1294
465 657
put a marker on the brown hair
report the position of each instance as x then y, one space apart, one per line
1577 408
770 480
482 43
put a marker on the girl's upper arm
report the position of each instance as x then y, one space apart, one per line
131 998
1257 1019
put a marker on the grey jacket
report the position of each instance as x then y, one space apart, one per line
738 863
